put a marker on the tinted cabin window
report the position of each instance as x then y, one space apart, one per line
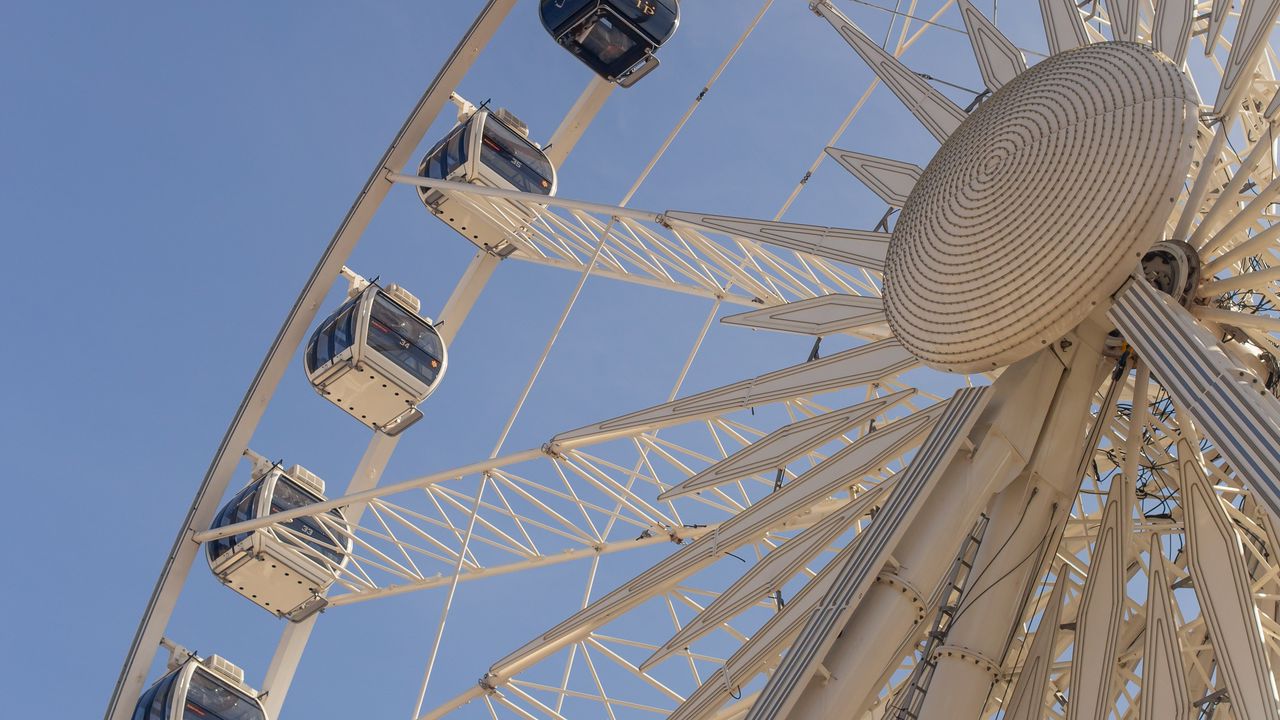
239 509
288 496
211 699
654 18
405 339
556 12
448 155
609 44
333 336
154 703
343 334
515 159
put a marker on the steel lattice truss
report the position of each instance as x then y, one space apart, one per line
1088 532
696 258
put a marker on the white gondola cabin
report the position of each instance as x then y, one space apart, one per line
489 148
617 39
377 359
208 689
283 568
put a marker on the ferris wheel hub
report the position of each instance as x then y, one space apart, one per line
1039 205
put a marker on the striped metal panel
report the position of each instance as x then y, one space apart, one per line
1242 421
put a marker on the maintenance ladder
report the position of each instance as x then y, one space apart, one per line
906 706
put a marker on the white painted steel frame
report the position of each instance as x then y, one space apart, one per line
173 575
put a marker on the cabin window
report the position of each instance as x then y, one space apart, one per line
515 159
448 155
238 509
211 699
405 339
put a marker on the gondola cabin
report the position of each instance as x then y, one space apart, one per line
283 568
617 39
489 148
377 359
208 689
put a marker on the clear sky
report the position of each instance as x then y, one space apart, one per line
173 170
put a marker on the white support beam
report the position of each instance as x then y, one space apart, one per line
856 366
787 443
464 188
293 641
575 122
892 180
821 315
1093 657
1062 25
465 294
934 110
768 575
999 60
365 496
1164 674
1257 20
1222 584
1171 29
861 248
1029 687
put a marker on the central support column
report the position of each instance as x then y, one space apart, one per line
1004 441
1026 519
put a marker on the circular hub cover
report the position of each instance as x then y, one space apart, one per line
1039 206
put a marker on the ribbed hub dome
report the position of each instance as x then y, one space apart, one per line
1039 205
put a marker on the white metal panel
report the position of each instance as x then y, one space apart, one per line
1062 25
1217 15
863 248
1171 31
892 180
1164 675
1027 701
999 60
939 115
1257 19
855 577
1093 658
785 444
763 647
821 315
769 574
776 634
1227 403
866 455
1124 19
865 363
1216 561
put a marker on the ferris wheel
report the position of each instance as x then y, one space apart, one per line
1039 476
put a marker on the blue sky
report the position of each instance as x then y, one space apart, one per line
172 173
